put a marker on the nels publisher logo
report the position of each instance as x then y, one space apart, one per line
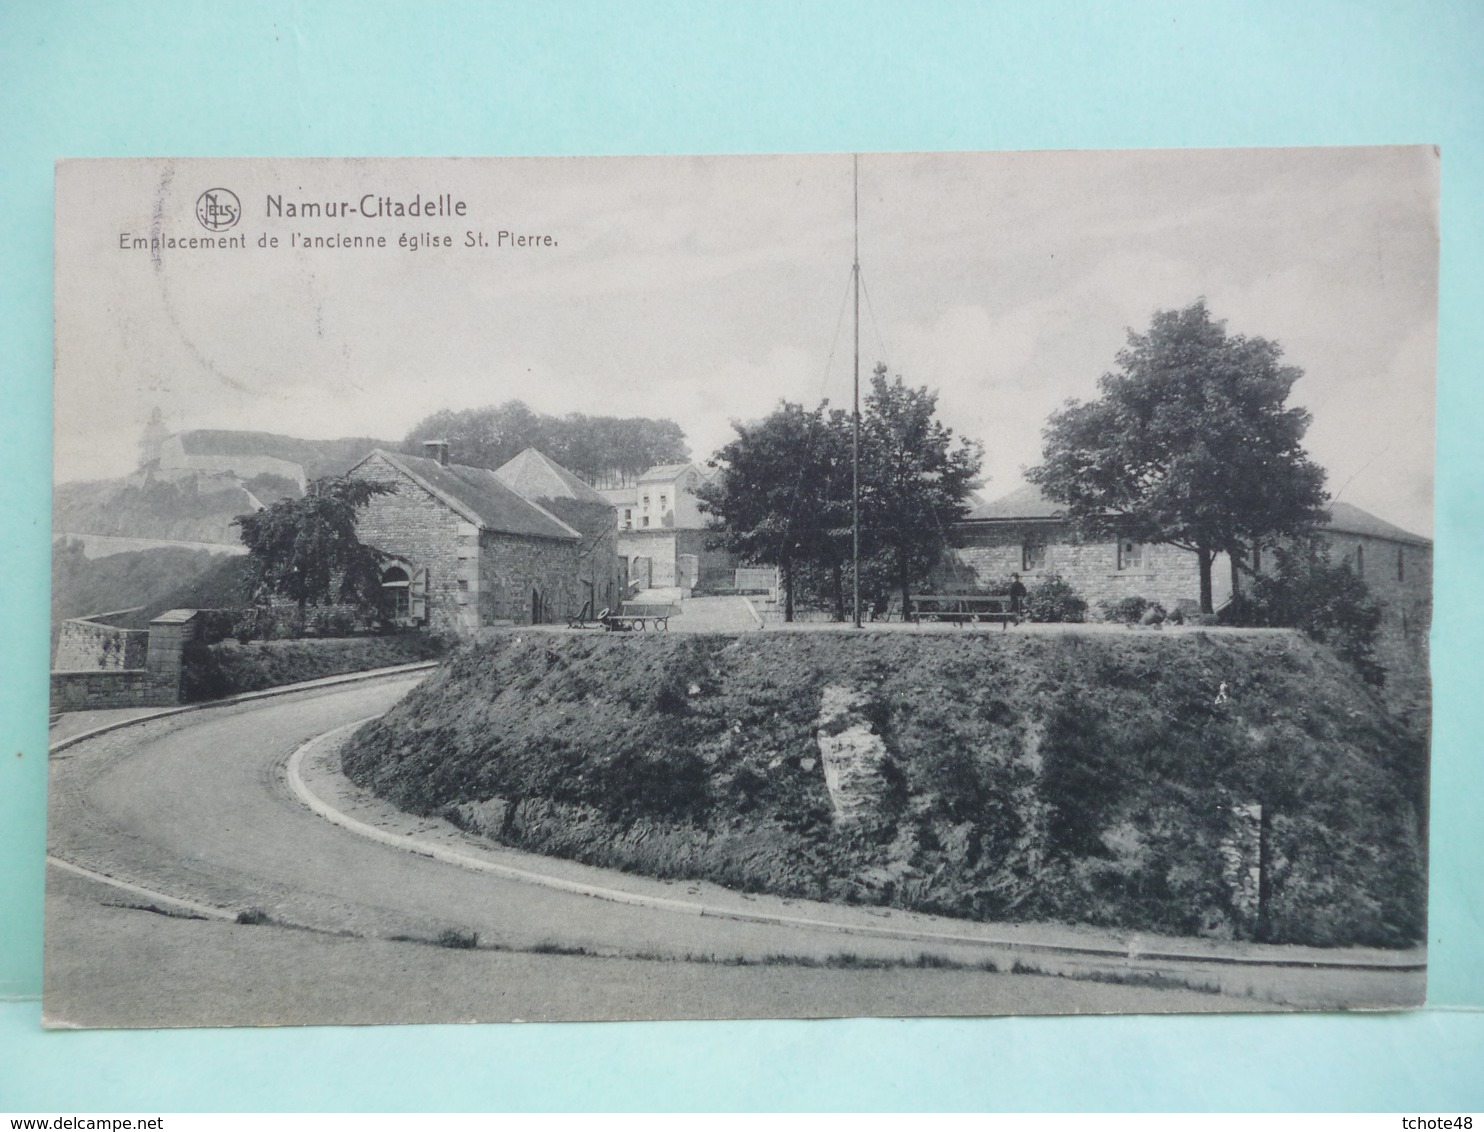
218 209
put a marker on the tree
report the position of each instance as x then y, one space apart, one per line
915 482
782 497
1191 444
1326 600
307 549
592 447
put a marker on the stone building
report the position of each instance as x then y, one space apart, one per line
662 531
1396 567
1025 533
469 550
541 480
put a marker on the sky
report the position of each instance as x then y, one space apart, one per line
706 289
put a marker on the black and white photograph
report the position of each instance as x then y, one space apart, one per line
826 585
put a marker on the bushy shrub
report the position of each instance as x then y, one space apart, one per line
266 623
280 622
1127 610
1325 600
333 621
229 667
217 624
1053 599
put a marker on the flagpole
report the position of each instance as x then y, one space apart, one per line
855 438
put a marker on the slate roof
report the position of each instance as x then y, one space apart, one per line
535 475
1346 518
480 497
1027 503
667 472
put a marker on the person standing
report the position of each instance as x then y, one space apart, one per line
1017 596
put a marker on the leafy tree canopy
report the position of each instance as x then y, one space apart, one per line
784 494
1325 599
598 449
915 481
1191 443
307 549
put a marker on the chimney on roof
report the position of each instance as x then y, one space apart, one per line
436 450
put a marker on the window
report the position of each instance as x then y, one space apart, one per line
1130 555
1401 569
1033 556
664 504
646 520
398 589
1360 562
1257 560
628 518
645 501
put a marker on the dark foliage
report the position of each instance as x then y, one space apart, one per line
307 551
783 499
1131 610
595 448
1054 599
784 495
229 667
1327 600
915 481
1191 443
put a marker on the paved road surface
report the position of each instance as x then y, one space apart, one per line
196 807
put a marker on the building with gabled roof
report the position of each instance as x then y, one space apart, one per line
467 549
662 535
1024 532
536 477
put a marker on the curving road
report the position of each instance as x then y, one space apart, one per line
195 815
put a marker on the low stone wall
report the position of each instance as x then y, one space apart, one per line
116 688
91 644
105 666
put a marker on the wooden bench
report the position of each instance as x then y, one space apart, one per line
962 609
640 615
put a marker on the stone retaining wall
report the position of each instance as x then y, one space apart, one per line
117 688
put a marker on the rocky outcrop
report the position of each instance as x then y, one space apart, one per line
854 756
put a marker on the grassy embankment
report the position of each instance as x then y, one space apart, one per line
1093 779
228 668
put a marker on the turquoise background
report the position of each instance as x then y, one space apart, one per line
382 78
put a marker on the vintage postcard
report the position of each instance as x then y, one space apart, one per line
733 587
